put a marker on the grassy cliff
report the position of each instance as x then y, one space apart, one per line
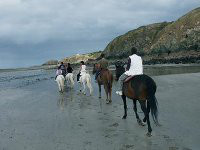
154 41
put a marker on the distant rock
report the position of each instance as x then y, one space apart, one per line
51 62
82 57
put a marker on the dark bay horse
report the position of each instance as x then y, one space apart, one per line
141 88
105 78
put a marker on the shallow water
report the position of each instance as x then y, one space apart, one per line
170 69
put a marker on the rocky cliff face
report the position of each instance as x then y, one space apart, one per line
165 37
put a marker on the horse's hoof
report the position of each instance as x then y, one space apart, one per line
149 134
140 122
158 124
144 120
99 96
108 101
124 117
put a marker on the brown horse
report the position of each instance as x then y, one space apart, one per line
141 88
105 78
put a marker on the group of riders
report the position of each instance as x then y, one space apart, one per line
134 67
133 84
63 70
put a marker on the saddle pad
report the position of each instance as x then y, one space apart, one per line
128 79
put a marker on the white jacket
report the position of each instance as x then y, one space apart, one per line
136 67
83 69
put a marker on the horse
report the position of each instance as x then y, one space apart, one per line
119 69
105 78
85 79
60 79
70 79
141 88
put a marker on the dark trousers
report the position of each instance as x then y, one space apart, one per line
97 74
78 76
64 73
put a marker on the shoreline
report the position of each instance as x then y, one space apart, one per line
112 67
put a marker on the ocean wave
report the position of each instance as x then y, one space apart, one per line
15 79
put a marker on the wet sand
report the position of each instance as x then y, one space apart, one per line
38 117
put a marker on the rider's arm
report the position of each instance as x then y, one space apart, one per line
128 64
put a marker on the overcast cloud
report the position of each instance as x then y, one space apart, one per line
34 31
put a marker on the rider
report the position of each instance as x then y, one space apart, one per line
81 71
103 65
58 72
69 68
134 67
63 68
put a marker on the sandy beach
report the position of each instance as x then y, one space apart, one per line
36 116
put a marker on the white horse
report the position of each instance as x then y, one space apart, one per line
70 79
85 79
61 82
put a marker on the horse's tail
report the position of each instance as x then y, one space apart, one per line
109 80
71 79
151 90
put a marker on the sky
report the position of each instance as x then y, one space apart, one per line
35 31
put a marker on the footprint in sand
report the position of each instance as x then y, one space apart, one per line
114 125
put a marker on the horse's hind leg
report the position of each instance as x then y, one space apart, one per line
84 88
146 113
107 92
125 107
137 116
110 95
62 85
72 81
59 87
89 85
99 90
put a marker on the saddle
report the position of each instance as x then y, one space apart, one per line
128 79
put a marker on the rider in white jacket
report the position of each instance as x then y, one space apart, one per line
134 67
81 71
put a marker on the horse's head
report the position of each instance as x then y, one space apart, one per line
119 65
95 68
